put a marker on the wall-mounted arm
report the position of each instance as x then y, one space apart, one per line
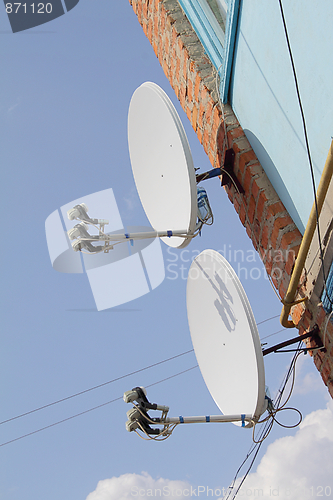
139 419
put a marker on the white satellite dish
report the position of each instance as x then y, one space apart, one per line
162 164
225 337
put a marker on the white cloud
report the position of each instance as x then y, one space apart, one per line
297 467
308 378
141 486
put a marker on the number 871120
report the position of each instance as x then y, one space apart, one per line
39 8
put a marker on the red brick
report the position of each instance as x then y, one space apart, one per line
262 253
208 112
265 217
256 232
245 158
189 113
235 133
139 12
256 190
162 18
266 231
248 177
201 114
290 262
145 10
297 313
166 69
182 93
220 138
318 359
199 134
185 64
283 287
205 140
330 387
242 215
261 204
326 371
189 90
197 87
251 209
290 237
194 118
279 223
276 208
211 157
204 93
216 118
236 204
212 143
150 30
321 315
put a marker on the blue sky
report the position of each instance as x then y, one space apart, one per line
66 89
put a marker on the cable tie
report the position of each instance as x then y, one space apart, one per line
207 418
169 233
181 419
126 235
243 420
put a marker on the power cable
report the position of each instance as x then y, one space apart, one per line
265 430
95 387
91 409
268 319
271 335
307 146
116 379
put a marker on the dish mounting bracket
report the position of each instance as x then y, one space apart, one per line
313 335
226 172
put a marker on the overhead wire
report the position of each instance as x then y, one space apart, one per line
265 429
268 319
307 148
116 379
91 409
95 387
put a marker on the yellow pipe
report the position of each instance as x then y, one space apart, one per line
289 299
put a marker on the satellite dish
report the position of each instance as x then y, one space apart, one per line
162 163
225 336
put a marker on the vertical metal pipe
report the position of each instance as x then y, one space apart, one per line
306 241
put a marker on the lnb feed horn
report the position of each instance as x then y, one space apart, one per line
79 245
132 425
130 396
133 414
78 212
78 231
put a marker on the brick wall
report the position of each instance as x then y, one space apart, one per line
269 226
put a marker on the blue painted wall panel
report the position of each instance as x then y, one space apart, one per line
264 98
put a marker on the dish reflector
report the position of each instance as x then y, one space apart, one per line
162 163
225 336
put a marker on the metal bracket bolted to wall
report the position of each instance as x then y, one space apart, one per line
313 334
227 173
